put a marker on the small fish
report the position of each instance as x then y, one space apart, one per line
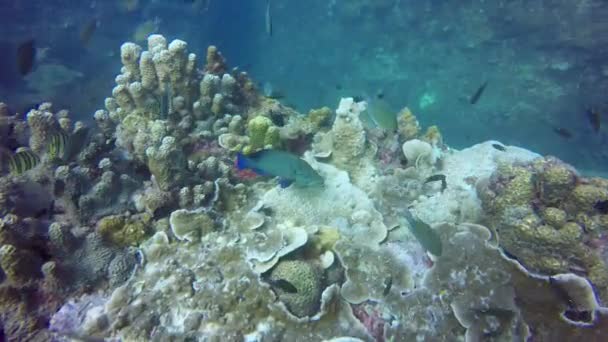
268 19
284 285
478 93
426 236
23 161
129 5
380 114
58 145
436 178
64 146
562 132
271 92
593 115
499 147
166 105
288 167
145 29
26 55
601 206
388 284
87 31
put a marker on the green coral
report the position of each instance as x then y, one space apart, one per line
262 133
307 280
554 217
124 231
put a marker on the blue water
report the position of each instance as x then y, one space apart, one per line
542 59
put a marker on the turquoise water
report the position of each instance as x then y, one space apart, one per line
543 60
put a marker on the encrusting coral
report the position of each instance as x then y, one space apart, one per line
549 217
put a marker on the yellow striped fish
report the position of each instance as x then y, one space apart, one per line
22 161
58 146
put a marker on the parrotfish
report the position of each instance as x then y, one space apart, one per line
288 167
424 233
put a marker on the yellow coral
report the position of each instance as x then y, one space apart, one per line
324 240
122 231
433 136
407 125
262 133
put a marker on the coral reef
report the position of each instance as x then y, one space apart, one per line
548 217
150 234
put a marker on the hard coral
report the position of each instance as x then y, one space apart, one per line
262 133
124 231
407 125
546 214
306 278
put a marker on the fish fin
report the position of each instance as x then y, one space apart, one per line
285 182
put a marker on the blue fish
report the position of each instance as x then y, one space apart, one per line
288 167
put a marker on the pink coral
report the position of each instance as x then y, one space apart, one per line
371 319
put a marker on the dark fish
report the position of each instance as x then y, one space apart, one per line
388 284
284 285
22 161
562 132
478 93
26 54
426 236
338 86
436 178
268 19
593 115
87 31
601 206
499 147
